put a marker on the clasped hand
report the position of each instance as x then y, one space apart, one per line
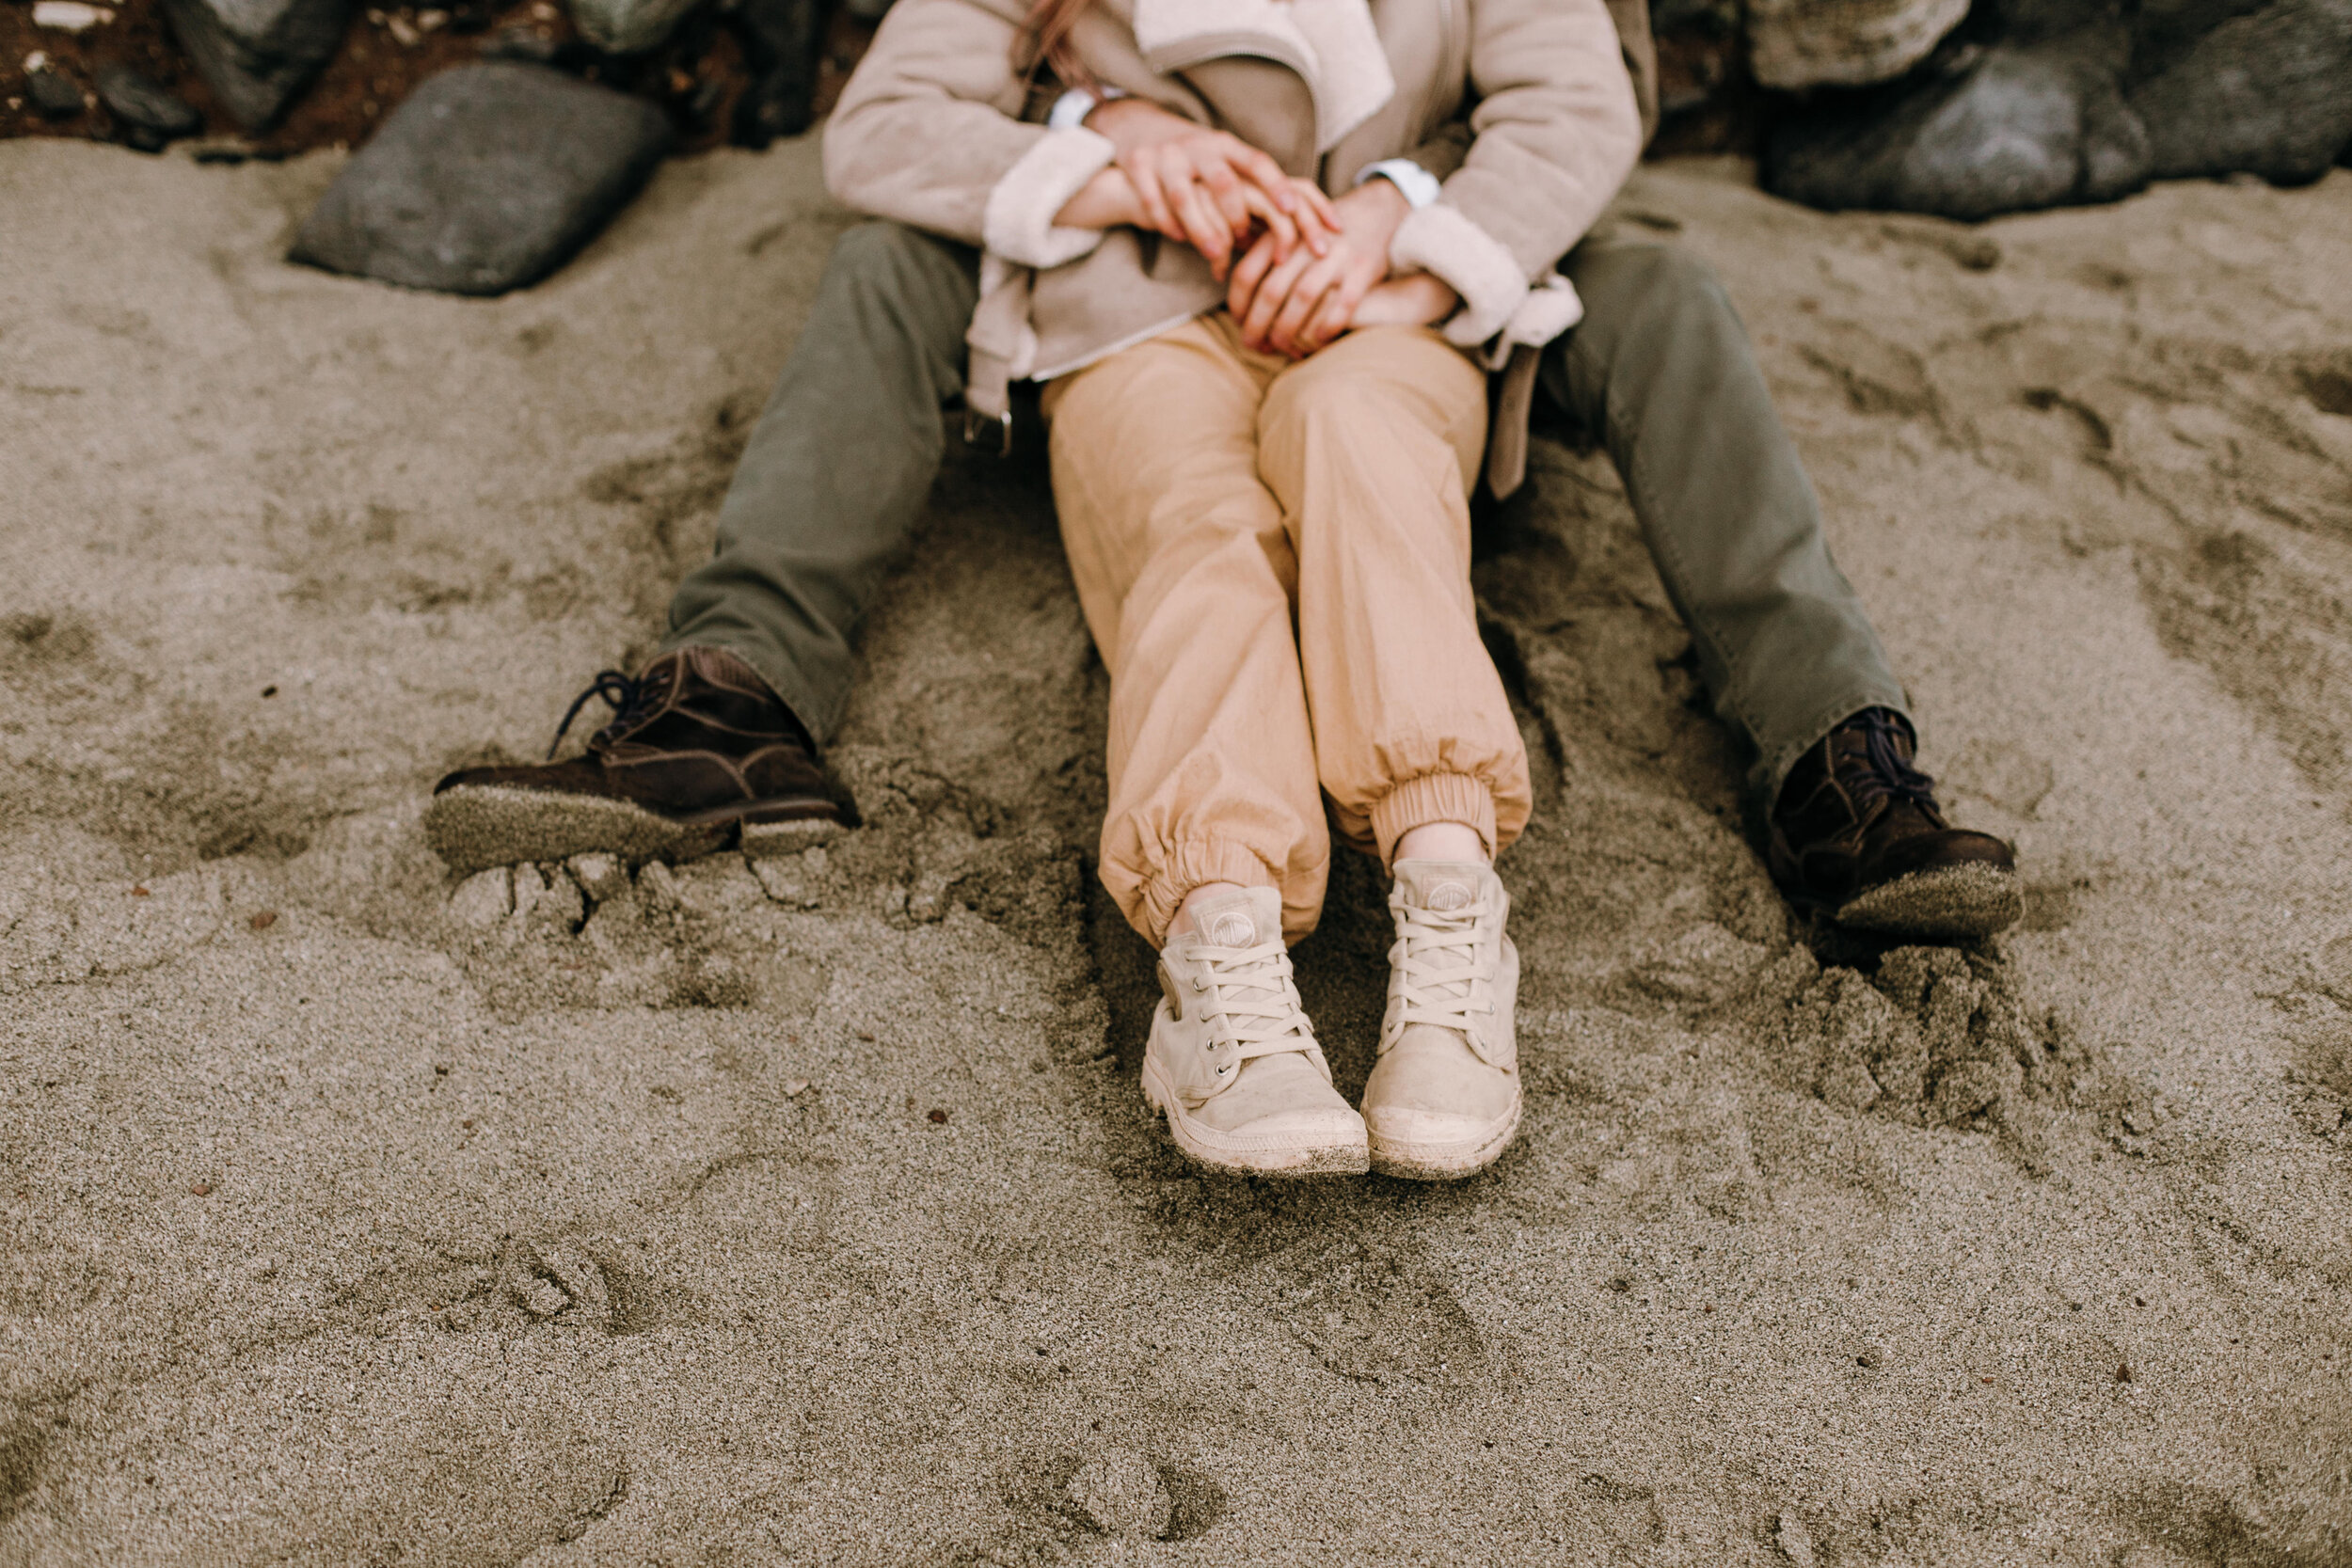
1299 269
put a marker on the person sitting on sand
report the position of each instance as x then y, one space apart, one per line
1279 414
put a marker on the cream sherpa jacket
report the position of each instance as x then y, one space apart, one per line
938 130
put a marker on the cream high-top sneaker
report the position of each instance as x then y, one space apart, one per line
1443 1101
1233 1060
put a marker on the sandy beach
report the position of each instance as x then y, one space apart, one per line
353 1211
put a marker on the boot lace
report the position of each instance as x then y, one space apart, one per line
629 697
1252 1000
1887 777
1436 970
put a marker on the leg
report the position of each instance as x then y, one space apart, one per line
837 469
1187 576
715 737
1662 371
1372 446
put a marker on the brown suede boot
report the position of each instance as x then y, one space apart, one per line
697 749
1856 835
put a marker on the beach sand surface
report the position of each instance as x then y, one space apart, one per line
808 1211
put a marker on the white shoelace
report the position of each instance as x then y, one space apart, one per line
1252 1000
1436 955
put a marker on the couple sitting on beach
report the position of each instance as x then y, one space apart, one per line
1291 274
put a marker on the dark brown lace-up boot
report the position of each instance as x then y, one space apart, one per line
1856 835
697 749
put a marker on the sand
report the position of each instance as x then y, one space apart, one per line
807 1211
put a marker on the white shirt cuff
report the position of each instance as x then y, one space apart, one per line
1418 185
1071 109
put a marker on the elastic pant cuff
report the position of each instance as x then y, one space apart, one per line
1190 865
1434 798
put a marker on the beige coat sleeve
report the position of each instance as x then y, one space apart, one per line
1555 133
929 132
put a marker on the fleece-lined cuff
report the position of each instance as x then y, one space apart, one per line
1439 240
1434 798
1500 310
1019 224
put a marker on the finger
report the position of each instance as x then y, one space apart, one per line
1272 297
1206 228
1280 225
1317 281
1150 197
1320 205
1333 316
1260 170
1251 271
1227 192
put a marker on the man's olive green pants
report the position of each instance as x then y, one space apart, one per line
841 464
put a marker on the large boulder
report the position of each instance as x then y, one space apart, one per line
1796 44
2013 128
2038 105
489 177
2269 92
257 55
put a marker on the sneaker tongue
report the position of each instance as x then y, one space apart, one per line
1242 919
1444 886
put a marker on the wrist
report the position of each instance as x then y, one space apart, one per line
1132 123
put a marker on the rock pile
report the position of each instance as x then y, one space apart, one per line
2055 101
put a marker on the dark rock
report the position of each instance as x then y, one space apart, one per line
2066 101
489 177
2269 92
53 94
257 55
782 41
2008 128
627 26
145 107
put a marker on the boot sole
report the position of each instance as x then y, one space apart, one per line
475 827
1203 1147
1957 902
1444 1162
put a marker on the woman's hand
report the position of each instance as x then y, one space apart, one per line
1416 299
1296 304
1209 189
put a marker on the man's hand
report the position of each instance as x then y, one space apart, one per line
1209 189
1296 304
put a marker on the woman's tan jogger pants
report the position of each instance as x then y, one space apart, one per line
1209 495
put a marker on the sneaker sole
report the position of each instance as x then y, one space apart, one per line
1450 1162
475 827
1959 901
1203 1147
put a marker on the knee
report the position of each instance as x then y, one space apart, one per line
1303 406
878 258
1654 280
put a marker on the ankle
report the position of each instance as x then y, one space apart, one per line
1443 841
